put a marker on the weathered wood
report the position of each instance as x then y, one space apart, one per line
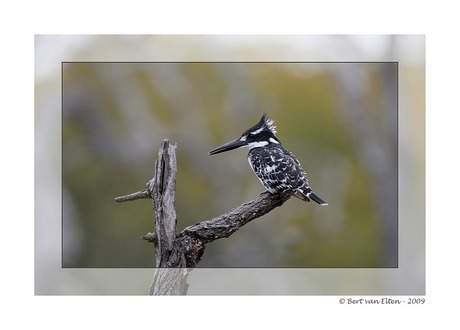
163 192
169 281
195 237
176 254
171 275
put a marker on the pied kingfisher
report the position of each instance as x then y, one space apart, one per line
275 166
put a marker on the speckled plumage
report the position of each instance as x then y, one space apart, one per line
279 170
275 166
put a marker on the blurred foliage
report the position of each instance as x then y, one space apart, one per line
115 116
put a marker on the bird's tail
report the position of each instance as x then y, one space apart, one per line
306 194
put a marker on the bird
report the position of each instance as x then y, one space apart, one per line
276 167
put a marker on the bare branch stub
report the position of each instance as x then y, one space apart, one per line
134 196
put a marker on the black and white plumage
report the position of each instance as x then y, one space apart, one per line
275 166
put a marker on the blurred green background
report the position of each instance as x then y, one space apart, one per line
339 118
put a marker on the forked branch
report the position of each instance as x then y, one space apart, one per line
184 250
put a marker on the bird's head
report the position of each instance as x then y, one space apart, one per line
260 135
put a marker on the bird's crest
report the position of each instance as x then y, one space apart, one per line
268 123
265 124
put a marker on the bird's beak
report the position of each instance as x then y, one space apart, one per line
229 146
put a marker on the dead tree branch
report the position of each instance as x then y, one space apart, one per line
176 253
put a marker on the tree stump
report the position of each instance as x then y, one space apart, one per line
177 254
